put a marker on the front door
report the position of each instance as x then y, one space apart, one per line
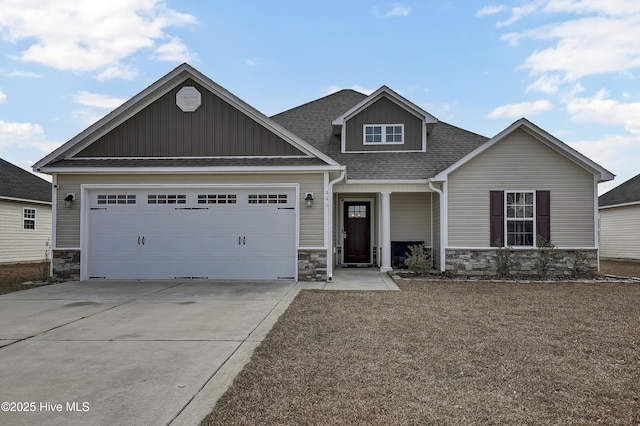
357 232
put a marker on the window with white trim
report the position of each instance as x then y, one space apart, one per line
166 199
217 198
520 218
383 134
28 218
267 199
116 199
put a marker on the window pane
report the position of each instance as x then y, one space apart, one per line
520 233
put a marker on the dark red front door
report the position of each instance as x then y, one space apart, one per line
357 230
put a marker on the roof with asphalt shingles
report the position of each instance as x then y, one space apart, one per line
627 192
446 144
18 183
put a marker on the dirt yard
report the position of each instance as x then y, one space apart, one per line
447 352
13 275
623 269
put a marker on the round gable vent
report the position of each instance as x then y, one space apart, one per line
188 99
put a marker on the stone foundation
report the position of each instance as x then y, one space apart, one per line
66 265
312 265
483 262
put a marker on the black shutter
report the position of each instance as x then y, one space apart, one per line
543 214
496 218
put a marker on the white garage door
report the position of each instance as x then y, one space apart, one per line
219 233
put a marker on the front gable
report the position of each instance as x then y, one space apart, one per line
184 115
384 122
215 129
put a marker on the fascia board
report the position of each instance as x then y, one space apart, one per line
629 204
544 137
25 200
152 93
189 170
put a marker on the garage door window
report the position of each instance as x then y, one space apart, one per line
217 199
116 199
167 199
267 198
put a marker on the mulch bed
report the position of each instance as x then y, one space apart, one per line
447 352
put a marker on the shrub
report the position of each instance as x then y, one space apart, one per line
418 260
545 257
504 261
581 266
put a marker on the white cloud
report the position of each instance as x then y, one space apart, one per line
3 97
334 89
174 51
252 62
601 109
84 35
24 135
522 109
17 73
519 12
545 84
125 72
398 11
97 100
490 10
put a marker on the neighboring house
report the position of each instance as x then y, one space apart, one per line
185 180
620 221
25 215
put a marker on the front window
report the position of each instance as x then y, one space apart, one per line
520 220
29 219
383 134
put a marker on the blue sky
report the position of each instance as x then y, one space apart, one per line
570 66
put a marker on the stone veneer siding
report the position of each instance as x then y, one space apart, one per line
66 265
312 265
483 262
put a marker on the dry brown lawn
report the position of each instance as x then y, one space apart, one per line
447 352
12 276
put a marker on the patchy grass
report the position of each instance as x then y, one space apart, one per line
13 275
447 352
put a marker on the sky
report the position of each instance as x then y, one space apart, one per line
572 67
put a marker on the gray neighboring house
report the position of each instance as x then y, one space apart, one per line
25 215
186 180
620 221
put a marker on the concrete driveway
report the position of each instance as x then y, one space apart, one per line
149 353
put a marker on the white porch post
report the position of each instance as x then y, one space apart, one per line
385 219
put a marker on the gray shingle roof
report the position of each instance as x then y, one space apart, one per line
446 144
627 192
18 183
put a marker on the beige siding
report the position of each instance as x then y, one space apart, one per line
411 217
619 230
311 219
24 245
521 162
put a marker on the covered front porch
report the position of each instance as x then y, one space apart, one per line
372 226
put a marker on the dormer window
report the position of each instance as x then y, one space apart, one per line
383 134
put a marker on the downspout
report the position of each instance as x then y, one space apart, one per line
442 222
330 251
54 218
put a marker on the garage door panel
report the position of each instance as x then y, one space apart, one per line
193 238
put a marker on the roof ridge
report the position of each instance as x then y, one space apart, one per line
318 100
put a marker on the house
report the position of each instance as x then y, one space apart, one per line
25 215
185 180
620 221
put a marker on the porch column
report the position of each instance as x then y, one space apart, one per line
385 249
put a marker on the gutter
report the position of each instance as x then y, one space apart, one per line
330 253
443 223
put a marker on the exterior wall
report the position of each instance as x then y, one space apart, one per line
162 129
521 162
312 265
24 245
411 217
483 262
619 230
384 111
66 265
311 219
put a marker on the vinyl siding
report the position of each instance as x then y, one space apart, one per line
521 162
384 111
410 217
24 245
311 219
216 128
619 230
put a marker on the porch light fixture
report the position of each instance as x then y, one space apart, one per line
309 199
68 201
